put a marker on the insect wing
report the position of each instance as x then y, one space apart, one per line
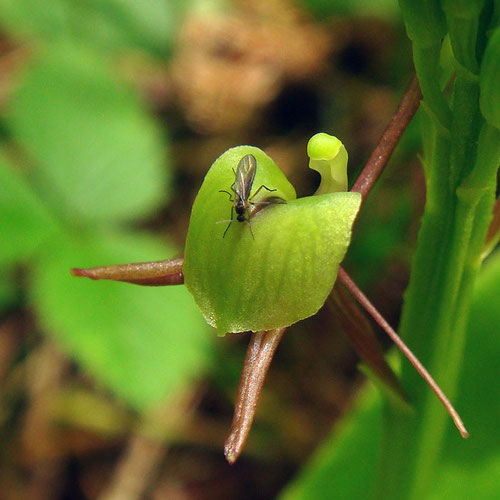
245 175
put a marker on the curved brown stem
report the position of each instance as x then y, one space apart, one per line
159 273
371 309
381 154
259 355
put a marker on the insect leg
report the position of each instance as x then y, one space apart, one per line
232 185
232 212
265 187
250 225
224 235
227 192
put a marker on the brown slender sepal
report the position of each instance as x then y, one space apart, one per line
373 312
259 355
159 273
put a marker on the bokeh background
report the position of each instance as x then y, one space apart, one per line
111 112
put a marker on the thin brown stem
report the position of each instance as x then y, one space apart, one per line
370 308
159 273
259 355
381 154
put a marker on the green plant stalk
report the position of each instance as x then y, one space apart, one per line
447 352
476 197
438 299
429 258
400 434
451 316
445 265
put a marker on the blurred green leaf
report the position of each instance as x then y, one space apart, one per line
479 480
345 464
150 25
140 342
479 385
31 17
8 289
106 24
24 221
99 152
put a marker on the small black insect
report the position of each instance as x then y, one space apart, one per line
242 187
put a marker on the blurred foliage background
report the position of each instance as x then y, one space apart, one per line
111 112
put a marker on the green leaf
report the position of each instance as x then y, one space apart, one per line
109 24
24 221
30 17
424 20
142 343
9 291
345 464
150 25
479 383
479 480
98 151
463 21
281 275
467 9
